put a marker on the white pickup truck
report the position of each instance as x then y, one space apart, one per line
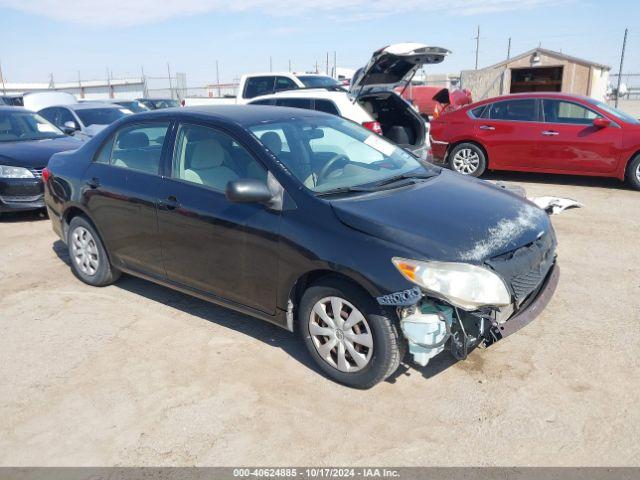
258 84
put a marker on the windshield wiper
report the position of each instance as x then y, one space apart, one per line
335 191
404 176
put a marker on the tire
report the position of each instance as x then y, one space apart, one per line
468 159
633 172
372 327
89 260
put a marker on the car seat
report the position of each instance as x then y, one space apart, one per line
207 166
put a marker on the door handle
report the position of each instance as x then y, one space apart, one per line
94 182
487 127
170 203
550 133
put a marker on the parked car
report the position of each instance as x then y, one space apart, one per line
85 119
257 84
539 132
11 100
26 142
308 221
158 103
135 106
370 100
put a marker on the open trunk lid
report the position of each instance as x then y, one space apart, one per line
392 64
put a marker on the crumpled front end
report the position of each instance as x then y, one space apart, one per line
431 324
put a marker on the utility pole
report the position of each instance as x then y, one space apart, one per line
327 64
270 64
477 46
108 83
289 65
170 85
4 90
317 71
509 49
624 46
145 90
335 65
218 79
80 92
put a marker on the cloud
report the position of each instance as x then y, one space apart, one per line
126 13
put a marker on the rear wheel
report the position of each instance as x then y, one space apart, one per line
633 172
88 256
347 335
468 159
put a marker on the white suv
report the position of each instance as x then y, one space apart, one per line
371 100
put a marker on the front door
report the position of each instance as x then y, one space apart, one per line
121 192
225 249
569 142
508 129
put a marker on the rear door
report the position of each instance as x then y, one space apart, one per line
122 187
228 250
570 143
509 130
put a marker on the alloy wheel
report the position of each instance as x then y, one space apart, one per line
466 161
84 251
341 334
638 172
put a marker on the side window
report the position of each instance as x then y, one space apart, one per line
284 83
294 102
479 112
327 106
256 86
104 154
558 111
514 110
66 116
208 157
139 147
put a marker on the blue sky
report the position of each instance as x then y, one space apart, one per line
62 37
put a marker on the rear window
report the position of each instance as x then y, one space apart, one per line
294 102
256 86
99 116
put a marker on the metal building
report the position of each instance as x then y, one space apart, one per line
538 70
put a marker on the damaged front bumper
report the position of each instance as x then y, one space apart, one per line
430 325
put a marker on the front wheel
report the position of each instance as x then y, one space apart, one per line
468 159
633 172
347 335
88 256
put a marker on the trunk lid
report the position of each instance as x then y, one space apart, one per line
392 64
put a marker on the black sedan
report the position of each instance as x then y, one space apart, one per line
308 221
27 141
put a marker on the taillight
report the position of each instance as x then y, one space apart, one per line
46 174
373 126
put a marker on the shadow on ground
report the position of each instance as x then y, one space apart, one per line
263 331
554 179
28 216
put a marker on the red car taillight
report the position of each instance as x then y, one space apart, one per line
46 174
373 126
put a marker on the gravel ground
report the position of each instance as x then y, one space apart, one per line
136 374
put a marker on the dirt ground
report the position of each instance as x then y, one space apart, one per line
136 374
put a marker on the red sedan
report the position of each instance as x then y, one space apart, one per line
539 132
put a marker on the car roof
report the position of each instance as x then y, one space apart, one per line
516 96
305 93
9 108
87 105
240 114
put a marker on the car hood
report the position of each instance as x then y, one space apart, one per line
447 218
35 153
390 65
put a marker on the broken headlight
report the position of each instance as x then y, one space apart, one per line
461 284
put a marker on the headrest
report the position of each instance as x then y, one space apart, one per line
272 141
207 154
133 140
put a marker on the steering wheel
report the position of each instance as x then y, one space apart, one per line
324 171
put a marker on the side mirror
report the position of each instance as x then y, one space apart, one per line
69 127
601 122
248 190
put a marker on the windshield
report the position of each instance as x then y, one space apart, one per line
21 126
134 106
326 153
100 116
615 112
165 103
318 81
